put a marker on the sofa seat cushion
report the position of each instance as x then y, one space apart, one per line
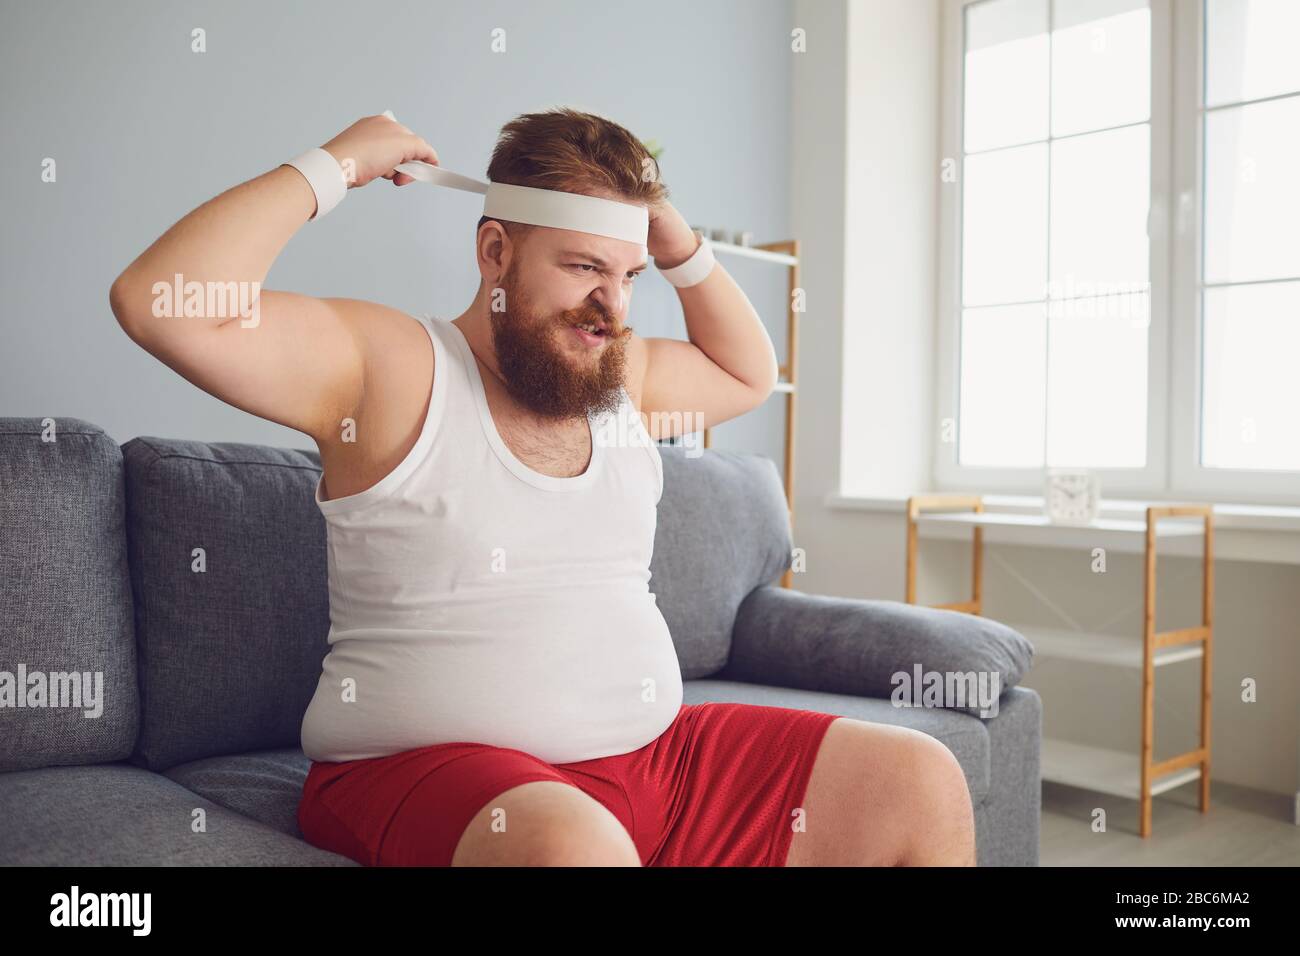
121 815
265 786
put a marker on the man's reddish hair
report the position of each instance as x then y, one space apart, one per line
571 151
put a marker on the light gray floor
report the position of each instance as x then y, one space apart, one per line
1242 828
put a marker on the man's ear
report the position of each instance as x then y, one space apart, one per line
494 250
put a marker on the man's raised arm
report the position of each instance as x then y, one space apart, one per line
194 300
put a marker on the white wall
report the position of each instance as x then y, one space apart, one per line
864 205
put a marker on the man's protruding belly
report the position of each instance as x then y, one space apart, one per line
561 678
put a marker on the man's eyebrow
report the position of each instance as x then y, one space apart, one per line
599 261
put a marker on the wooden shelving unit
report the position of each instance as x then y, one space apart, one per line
784 253
1121 773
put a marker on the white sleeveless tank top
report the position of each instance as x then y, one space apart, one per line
474 599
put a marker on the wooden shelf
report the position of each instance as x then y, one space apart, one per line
1188 527
753 252
1130 775
1115 650
1121 535
1116 772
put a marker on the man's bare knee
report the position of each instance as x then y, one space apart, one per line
545 823
942 816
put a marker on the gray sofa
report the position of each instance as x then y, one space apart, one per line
188 751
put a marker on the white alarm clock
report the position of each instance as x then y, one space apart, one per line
1071 495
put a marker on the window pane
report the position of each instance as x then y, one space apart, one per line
1004 226
1252 192
1101 64
1250 49
1002 381
1101 188
1097 382
1006 73
1251 413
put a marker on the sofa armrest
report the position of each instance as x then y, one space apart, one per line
873 648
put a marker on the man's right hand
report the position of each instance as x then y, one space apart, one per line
372 146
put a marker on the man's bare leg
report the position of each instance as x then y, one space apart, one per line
547 823
881 795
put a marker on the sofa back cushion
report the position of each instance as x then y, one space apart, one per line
228 570
67 653
723 530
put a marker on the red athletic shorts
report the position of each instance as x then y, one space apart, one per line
717 788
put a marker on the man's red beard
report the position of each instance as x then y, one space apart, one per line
548 375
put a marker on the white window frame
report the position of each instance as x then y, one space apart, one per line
1189 476
1173 470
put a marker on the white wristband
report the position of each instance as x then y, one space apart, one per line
695 269
325 176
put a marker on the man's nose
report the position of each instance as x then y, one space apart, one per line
609 295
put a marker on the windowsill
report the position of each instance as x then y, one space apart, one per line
1258 517
1243 532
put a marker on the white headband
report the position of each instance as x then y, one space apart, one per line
544 207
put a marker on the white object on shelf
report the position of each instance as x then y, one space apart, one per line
1071 495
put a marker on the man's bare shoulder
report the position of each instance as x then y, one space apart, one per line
397 359
379 330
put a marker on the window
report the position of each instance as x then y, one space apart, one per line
1120 289
1251 248
1055 259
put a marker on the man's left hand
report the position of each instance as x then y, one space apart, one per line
671 240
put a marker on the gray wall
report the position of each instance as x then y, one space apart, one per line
143 130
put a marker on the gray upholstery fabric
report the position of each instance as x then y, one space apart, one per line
229 657
853 646
65 596
266 786
120 815
723 530
1007 823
